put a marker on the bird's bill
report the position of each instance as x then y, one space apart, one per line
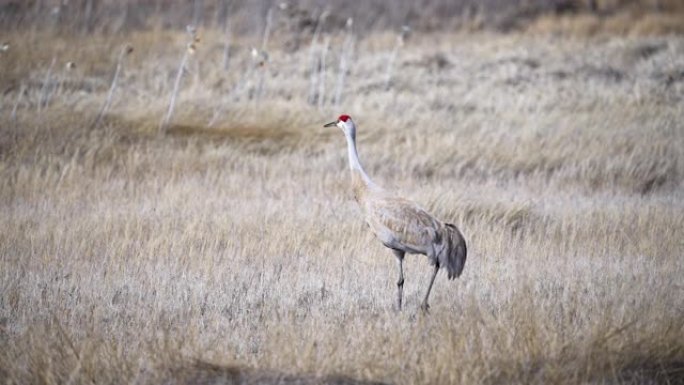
331 124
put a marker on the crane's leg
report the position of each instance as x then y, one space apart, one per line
425 307
400 283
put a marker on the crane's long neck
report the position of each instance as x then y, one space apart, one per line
354 163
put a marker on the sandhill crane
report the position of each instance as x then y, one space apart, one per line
400 224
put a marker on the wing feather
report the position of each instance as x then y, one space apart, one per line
402 224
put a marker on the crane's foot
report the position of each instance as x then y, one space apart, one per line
400 293
425 308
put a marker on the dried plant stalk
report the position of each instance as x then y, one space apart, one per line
13 115
42 98
179 75
228 35
267 29
401 39
345 55
125 51
314 59
321 83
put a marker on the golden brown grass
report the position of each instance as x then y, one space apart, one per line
233 253
624 23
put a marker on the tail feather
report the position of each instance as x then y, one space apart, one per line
454 251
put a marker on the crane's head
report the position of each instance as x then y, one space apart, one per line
345 123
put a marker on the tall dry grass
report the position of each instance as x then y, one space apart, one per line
234 253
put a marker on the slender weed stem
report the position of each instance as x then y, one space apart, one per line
125 51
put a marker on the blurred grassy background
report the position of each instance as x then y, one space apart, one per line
248 17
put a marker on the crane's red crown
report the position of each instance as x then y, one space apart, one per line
344 118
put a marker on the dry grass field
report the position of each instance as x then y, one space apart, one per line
228 248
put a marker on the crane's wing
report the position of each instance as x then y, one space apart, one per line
401 224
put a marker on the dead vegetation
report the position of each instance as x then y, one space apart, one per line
228 251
